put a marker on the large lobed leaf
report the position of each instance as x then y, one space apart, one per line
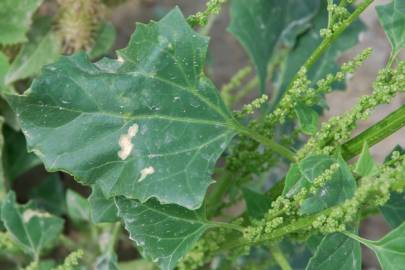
15 19
147 125
164 233
263 26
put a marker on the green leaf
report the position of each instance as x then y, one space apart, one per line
77 207
148 125
3 179
163 233
308 119
265 26
293 181
340 187
390 250
365 166
101 208
307 43
336 252
105 39
17 159
42 48
257 203
32 230
50 195
15 19
392 18
394 209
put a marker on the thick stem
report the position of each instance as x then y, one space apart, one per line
115 232
373 135
279 257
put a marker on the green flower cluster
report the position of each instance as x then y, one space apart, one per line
203 249
6 243
233 84
71 261
201 18
302 92
337 16
250 108
285 209
373 191
338 129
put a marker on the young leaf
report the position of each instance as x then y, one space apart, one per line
340 187
42 48
50 195
256 203
307 118
264 26
336 252
104 40
307 43
294 181
15 19
394 209
32 230
148 125
101 208
77 207
392 18
365 166
163 233
390 250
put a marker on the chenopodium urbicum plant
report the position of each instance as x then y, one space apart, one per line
146 130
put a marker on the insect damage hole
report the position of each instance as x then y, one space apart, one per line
145 172
125 142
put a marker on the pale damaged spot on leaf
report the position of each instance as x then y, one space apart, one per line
125 142
29 213
145 172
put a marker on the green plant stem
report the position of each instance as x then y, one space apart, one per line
376 133
328 41
215 197
271 144
115 233
279 257
359 239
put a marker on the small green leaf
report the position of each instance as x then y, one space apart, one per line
265 26
390 250
294 181
392 18
77 207
137 264
340 187
32 230
163 233
147 125
105 39
307 118
365 166
257 203
15 19
394 209
42 48
336 252
50 195
101 208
